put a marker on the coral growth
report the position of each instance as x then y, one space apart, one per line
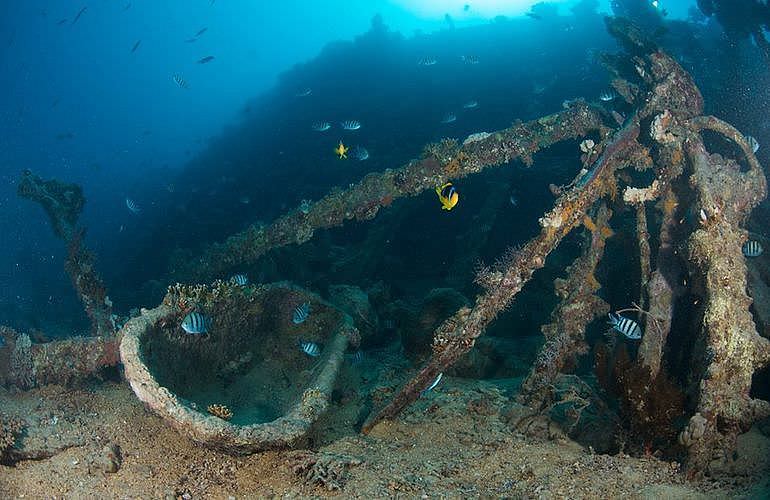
220 411
10 429
326 470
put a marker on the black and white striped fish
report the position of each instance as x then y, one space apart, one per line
350 125
608 95
627 327
181 82
753 143
301 313
196 323
358 357
310 348
132 206
240 280
752 248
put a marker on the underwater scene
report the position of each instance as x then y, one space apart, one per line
384 249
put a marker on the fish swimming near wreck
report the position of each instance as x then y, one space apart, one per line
448 196
341 151
181 82
80 13
350 125
432 385
627 327
321 126
196 323
360 153
310 348
132 206
240 280
753 143
301 313
752 248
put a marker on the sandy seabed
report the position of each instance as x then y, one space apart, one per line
446 446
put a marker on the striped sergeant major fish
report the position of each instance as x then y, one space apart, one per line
627 327
181 82
240 280
132 206
351 125
310 348
196 323
301 313
752 248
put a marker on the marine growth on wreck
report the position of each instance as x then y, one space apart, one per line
584 280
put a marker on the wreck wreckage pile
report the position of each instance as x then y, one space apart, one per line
701 203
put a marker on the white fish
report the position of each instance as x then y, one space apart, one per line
427 61
351 125
752 248
181 82
471 105
608 95
240 280
753 144
433 385
470 59
132 206
196 323
627 327
513 200
310 348
360 153
448 118
304 93
321 126
301 313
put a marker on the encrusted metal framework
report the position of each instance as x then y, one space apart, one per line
661 136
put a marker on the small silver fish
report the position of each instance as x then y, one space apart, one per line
470 105
181 82
310 348
513 200
321 126
240 280
449 118
753 144
433 385
351 125
627 327
196 323
752 248
301 313
132 206
304 93
360 153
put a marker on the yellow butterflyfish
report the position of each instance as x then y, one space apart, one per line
341 151
448 196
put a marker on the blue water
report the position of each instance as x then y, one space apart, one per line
80 106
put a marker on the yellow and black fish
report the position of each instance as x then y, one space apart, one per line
447 195
341 151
